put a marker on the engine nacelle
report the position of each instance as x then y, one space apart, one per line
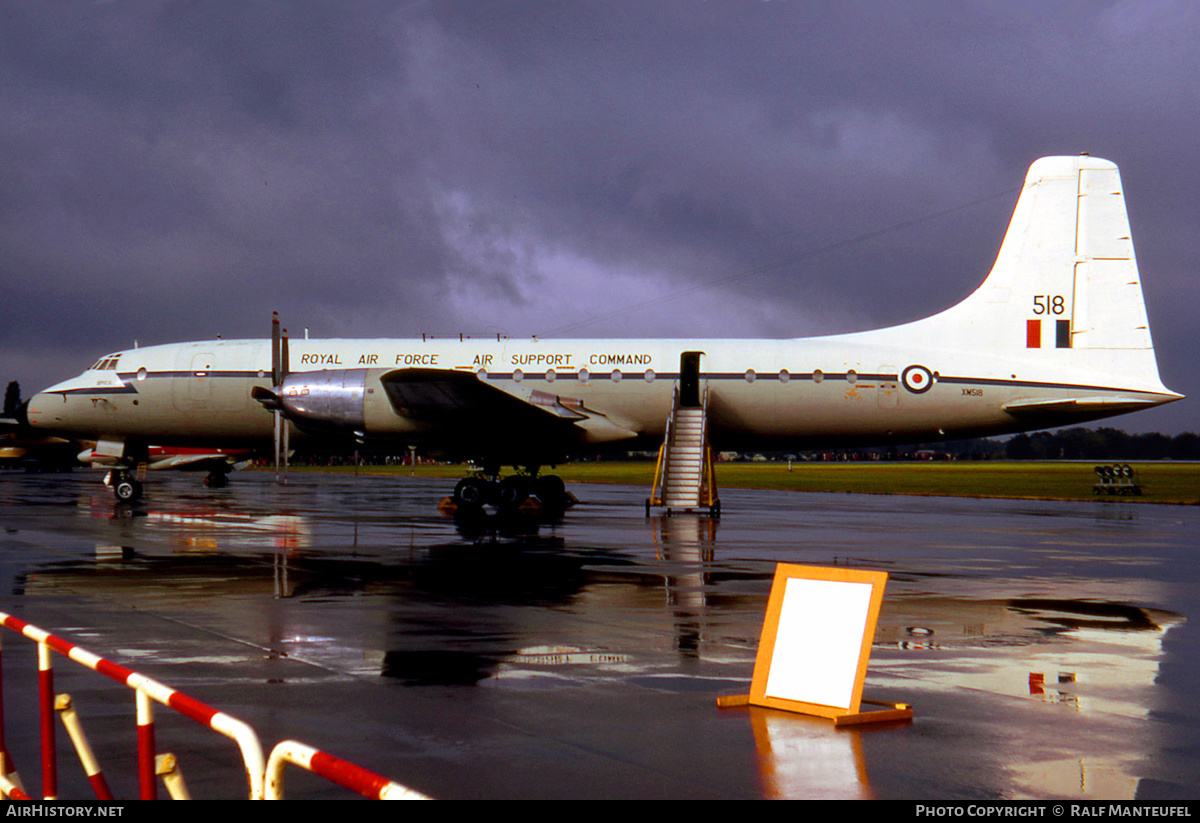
325 401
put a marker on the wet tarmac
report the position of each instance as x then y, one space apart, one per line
1050 650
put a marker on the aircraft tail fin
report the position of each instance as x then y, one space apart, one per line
1064 298
1066 276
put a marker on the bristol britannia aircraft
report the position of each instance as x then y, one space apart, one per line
1057 334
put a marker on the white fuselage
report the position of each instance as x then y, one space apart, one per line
766 394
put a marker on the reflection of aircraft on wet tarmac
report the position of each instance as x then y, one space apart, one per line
209 530
222 555
1057 334
1086 653
232 556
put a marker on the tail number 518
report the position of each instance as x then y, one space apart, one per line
1048 304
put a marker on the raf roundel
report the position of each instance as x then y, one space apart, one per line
917 379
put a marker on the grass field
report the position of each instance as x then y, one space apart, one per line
1165 482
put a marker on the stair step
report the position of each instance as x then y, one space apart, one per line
683 476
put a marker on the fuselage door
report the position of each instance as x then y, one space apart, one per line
689 379
192 387
206 380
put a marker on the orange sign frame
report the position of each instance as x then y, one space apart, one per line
816 644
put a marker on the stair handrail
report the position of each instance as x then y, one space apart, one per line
658 484
707 471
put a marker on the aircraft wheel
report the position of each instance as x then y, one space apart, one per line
513 491
127 490
216 480
551 490
471 493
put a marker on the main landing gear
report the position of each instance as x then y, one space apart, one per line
524 491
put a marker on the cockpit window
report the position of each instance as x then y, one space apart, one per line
105 363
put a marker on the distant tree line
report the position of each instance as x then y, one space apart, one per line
1067 444
1102 444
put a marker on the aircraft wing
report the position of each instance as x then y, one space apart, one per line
462 401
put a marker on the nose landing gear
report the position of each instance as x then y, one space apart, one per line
126 488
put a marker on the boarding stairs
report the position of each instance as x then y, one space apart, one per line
684 478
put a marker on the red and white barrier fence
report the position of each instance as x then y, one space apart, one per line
339 771
150 763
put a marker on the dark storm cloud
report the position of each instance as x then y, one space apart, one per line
173 169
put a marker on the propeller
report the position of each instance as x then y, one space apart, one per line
283 423
272 398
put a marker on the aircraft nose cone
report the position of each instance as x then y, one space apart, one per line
37 410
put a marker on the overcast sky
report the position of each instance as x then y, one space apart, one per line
177 170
